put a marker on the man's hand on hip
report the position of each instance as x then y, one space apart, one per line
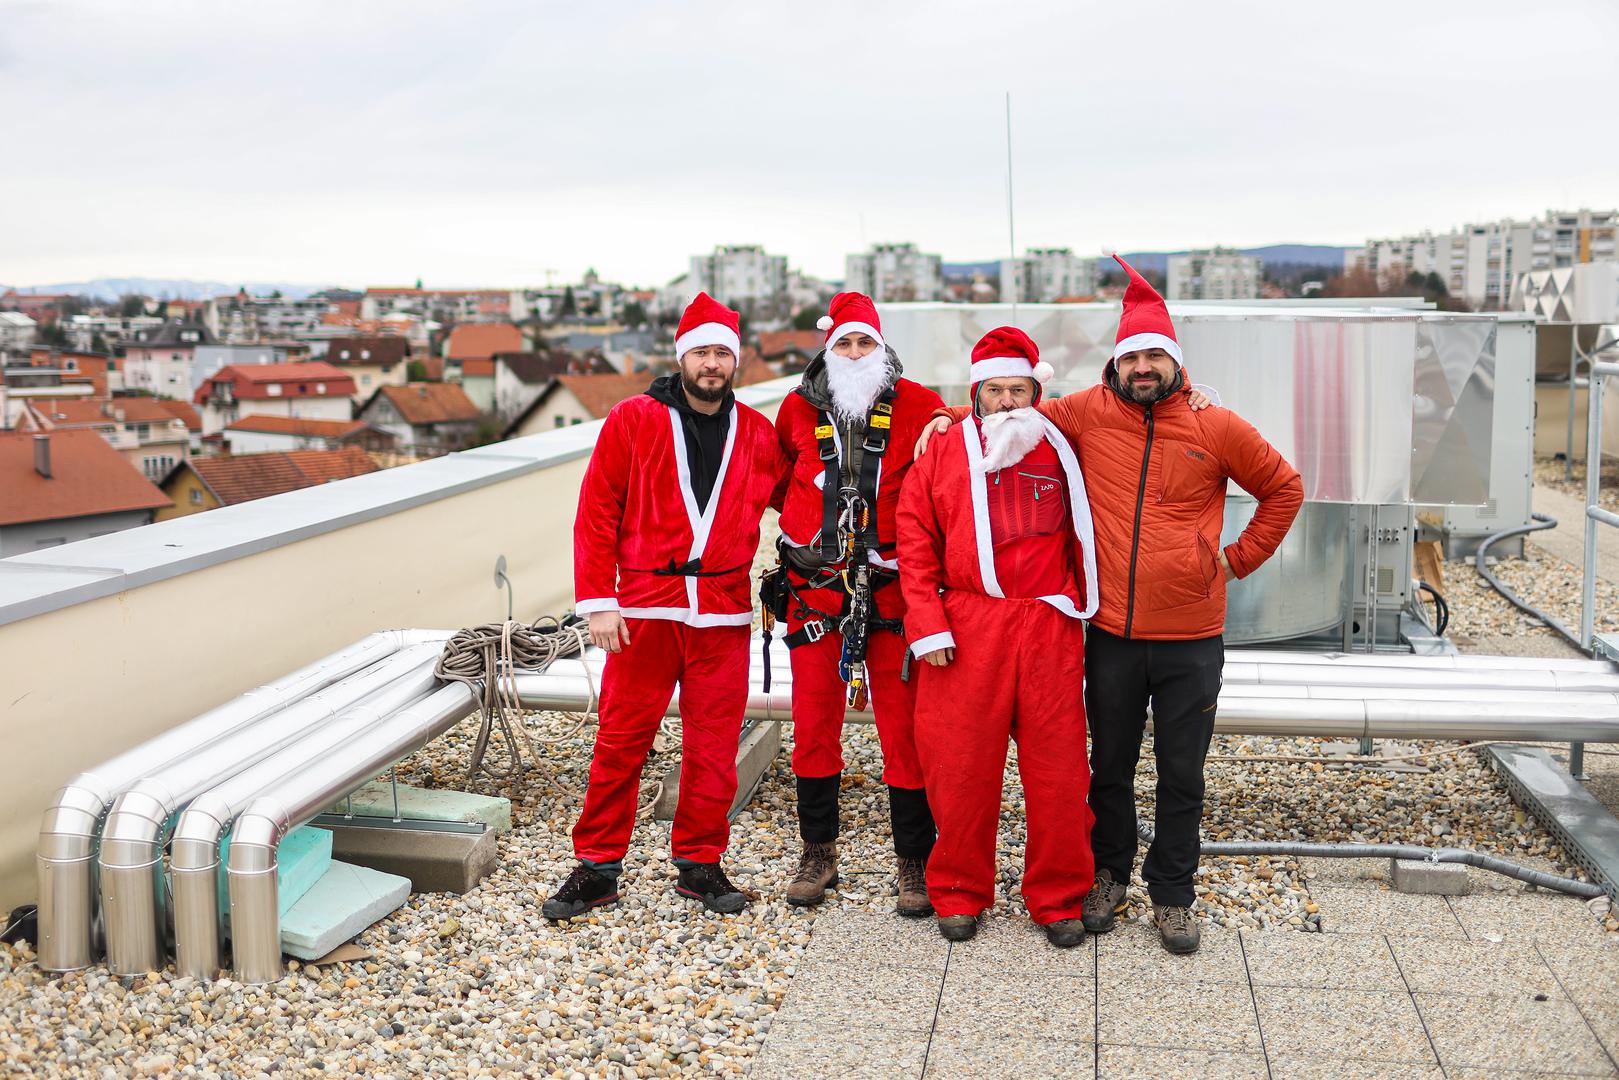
939 425
608 630
1225 568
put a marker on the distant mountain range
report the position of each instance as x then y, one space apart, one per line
168 288
1273 254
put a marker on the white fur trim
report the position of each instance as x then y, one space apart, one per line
1004 367
590 607
709 333
684 615
933 643
1137 342
701 524
980 497
824 323
1109 252
853 328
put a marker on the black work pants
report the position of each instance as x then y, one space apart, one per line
1181 680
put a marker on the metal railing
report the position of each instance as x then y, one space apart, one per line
1594 514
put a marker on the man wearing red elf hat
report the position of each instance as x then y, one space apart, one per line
848 430
664 539
998 522
1157 471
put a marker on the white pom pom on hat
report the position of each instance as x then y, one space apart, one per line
824 323
1043 372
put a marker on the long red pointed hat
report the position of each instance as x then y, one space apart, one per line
850 312
706 321
1145 322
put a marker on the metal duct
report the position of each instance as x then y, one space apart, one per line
255 918
133 901
194 851
65 862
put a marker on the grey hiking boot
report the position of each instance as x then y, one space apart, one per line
958 927
913 900
1177 928
817 872
1103 903
1066 933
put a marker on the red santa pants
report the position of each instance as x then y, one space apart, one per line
819 696
711 665
1018 673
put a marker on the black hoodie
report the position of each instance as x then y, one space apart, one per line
705 434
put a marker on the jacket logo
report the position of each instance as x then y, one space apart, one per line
1197 455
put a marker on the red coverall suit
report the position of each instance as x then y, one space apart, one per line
636 536
1011 608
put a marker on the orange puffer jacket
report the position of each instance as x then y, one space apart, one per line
1156 476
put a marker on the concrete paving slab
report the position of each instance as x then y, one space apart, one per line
1345 873
1496 1074
1368 1025
1315 1067
1320 961
1528 915
1602 1017
346 900
1143 1063
953 1056
1017 944
1207 1016
1506 1034
1016 1007
1381 911
1133 952
848 998
809 1052
856 938
1479 968
1586 973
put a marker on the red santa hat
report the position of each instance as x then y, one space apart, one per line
1145 322
706 321
1005 352
850 313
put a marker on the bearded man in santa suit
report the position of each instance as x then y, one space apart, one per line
664 539
848 432
1000 570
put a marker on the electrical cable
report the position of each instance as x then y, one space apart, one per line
1542 521
1440 608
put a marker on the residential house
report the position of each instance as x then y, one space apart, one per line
207 483
313 391
147 435
78 365
160 359
477 379
519 378
479 341
426 418
625 351
22 383
188 415
372 361
64 486
575 399
263 434
790 350
210 359
16 333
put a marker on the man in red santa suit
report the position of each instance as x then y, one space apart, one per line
848 432
664 539
994 518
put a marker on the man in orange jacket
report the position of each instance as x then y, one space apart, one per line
1156 473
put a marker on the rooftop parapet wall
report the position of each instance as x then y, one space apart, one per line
110 641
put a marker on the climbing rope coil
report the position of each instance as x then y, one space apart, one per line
488 658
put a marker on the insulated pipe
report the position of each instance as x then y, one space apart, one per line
255 840
65 862
194 851
133 906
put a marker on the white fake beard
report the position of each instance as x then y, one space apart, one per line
1009 436
855 384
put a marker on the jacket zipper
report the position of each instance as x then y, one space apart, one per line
1135 535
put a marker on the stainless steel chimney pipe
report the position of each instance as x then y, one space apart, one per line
256 838
194 852
65 862
130 863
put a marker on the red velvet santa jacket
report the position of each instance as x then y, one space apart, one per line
946 540
638 514
802 509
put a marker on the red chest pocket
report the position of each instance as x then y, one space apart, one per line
1025 502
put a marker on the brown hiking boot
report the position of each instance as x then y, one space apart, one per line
1103 903
1177 928
1066 933
817 872
958 927
913 900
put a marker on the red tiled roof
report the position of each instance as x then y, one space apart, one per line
774 343
245 477
599 393
302 379
481 341
87 477
291 372
297 425
431 403
81 412
183 410
477 368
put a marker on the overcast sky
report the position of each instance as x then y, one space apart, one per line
488 143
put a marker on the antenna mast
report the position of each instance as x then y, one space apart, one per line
1011 234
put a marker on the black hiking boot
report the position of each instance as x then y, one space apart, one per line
708 883
585 889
